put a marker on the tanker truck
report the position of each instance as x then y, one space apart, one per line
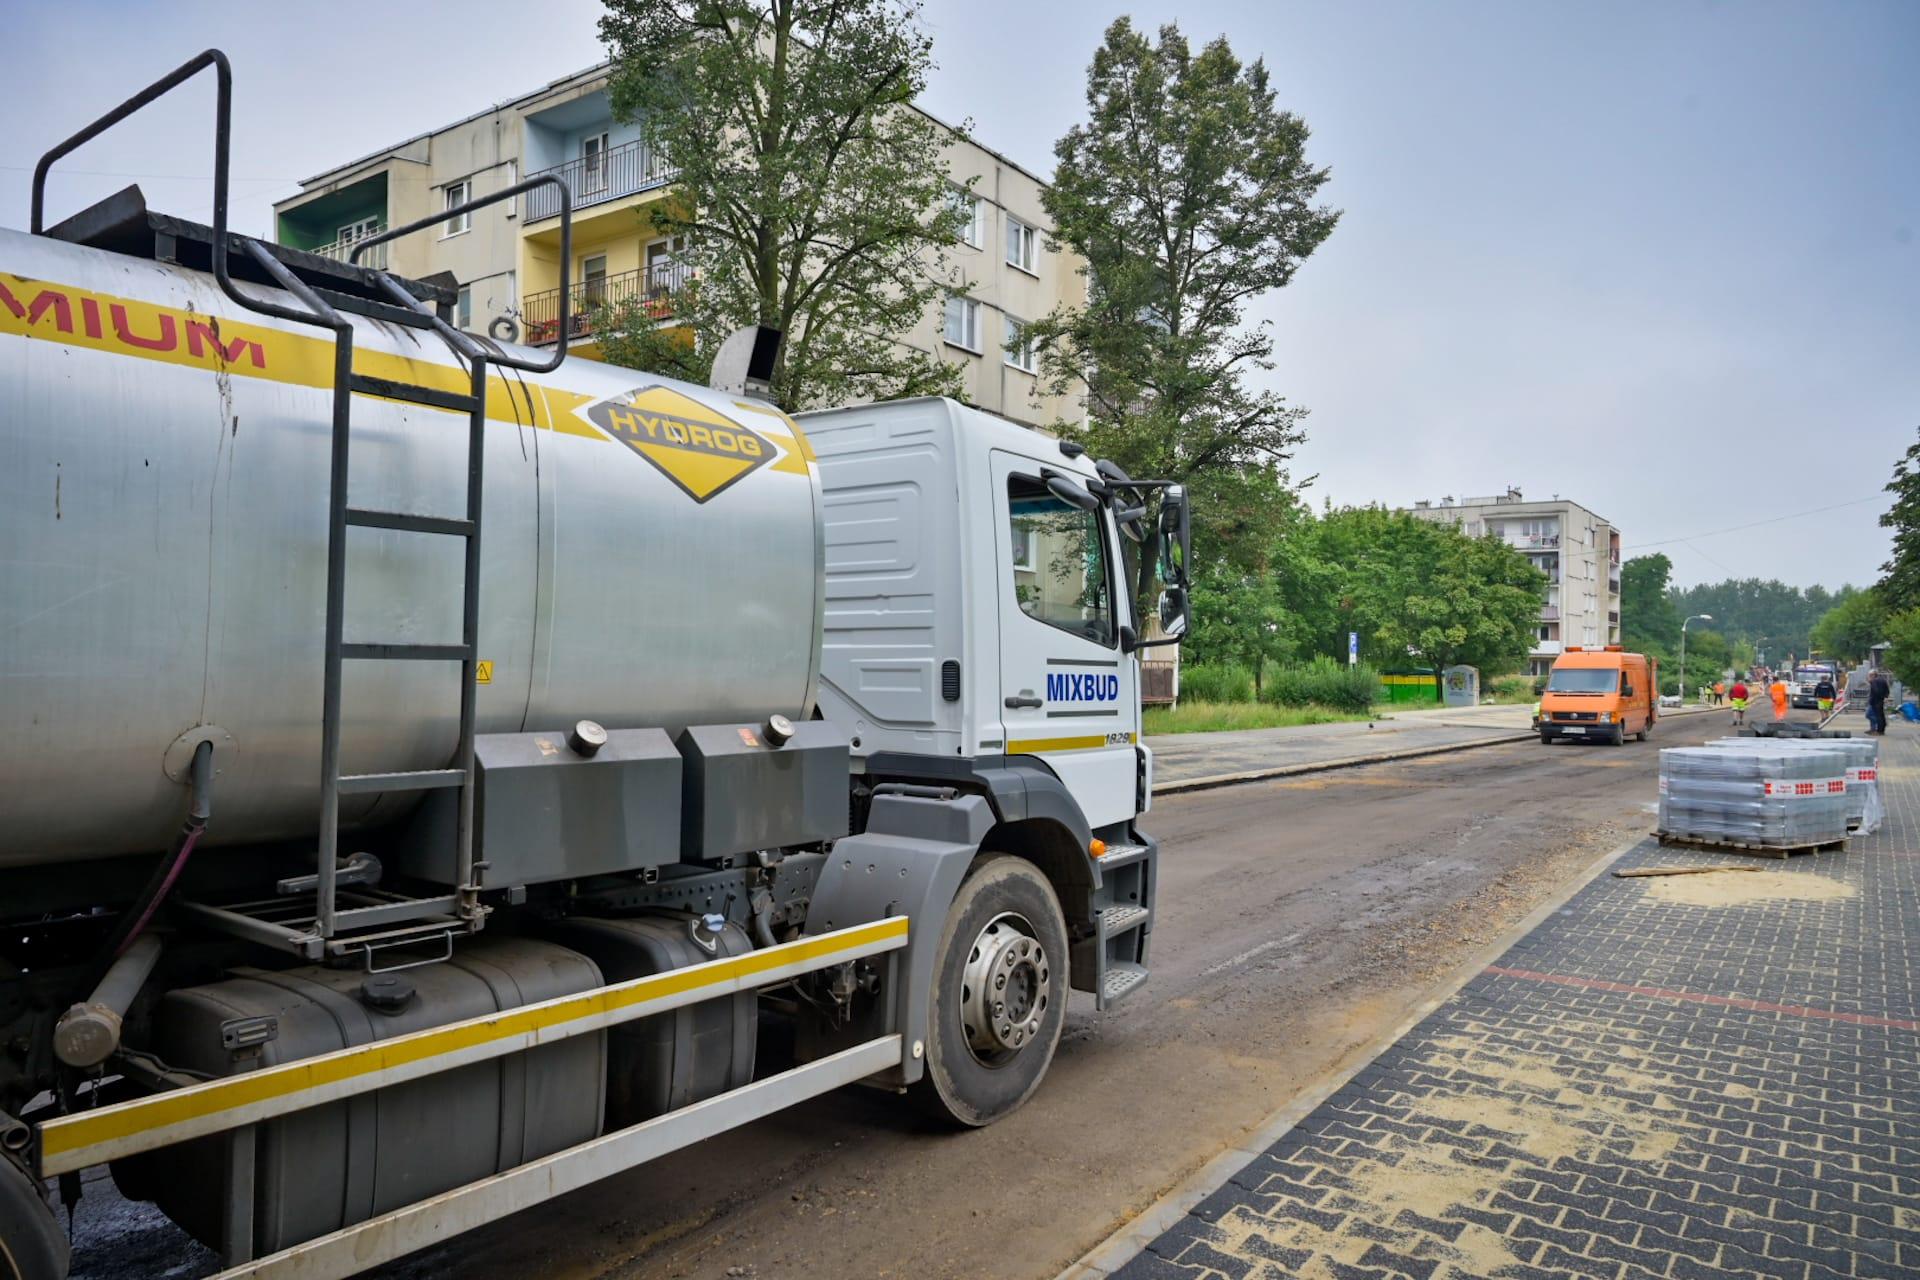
365 879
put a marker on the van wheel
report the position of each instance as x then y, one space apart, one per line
1619 738
999 996
1546 736
1642 735
32 1245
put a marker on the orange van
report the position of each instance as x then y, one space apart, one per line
1600 695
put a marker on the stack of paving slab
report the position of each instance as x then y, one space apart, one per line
1860 759
1758 794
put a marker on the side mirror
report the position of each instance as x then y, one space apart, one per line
1173 611
1070 493
1176 538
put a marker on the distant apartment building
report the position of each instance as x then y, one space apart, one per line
1577 550
506 259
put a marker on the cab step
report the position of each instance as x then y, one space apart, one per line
1114 921
1120 855
1120 981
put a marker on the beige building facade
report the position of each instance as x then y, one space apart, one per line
1578 550
505 259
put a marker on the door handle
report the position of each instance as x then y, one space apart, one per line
1016 702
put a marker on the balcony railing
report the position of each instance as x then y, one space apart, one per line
1549 613
342 251
613 173
653 289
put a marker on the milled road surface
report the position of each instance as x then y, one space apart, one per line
1297 920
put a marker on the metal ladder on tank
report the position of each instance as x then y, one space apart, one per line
380 919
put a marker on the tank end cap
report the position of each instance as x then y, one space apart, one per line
778 730
586 738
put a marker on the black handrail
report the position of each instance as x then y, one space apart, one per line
222 140
505 193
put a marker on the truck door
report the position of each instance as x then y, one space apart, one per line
1068 695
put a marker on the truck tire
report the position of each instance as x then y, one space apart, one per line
32 1245
1619 738
999 996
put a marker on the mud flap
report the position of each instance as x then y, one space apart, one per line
909 861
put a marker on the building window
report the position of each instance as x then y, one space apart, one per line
593 281
593 162
463 309
1067 585
963 323
1020 244
1019 346
457 195
973 228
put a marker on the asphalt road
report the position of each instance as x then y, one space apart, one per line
1298 919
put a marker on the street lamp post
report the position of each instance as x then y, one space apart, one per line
1703 617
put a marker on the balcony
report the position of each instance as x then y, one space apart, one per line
653 288
342 251
1549 613
619 171
1544 647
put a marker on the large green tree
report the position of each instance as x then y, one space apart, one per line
1851 627
1899 588
1648 620
1189 195
1426 592
811 196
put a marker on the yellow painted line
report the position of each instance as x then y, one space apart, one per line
1083 742
75 1141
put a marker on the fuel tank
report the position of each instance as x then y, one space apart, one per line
652 555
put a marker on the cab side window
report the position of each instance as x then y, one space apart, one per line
1058 563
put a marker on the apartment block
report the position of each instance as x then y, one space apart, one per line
1578 550
506 259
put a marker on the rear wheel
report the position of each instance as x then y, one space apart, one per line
999 994
1646 728
32 1245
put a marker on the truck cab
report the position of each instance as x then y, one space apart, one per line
1600 695
979 629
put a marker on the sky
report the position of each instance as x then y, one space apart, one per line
1661 258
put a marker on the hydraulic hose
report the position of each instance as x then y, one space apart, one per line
160 884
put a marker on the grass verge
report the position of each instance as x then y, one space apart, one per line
1207 717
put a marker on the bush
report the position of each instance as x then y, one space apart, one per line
1323 682
1225 683
1511 688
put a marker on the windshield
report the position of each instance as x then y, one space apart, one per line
1582 680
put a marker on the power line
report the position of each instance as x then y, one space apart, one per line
1796 515
158 177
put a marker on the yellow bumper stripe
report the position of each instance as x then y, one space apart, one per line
1083 742
76 1141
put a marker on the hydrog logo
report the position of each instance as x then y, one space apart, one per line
1068 687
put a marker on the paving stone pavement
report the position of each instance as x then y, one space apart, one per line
1698 1076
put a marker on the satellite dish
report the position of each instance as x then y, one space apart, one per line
743 366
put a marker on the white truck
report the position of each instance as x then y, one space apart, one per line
368 879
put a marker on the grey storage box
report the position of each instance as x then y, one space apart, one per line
543 811
686 1055
743 792
331 1166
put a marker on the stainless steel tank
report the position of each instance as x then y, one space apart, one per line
652 555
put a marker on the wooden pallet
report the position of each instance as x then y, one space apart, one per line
1748 847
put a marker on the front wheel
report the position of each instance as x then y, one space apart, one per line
999 996
1619 738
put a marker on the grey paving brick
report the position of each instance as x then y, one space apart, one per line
1610 1133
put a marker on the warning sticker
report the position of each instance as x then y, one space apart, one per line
694 445
483 672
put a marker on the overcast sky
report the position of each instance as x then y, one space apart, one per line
1661 258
